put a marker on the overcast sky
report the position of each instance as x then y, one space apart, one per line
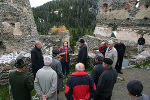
35 3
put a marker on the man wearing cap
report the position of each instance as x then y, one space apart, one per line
45 82
82 54
37 58
56 66
135 89
106 81
20 83
98 69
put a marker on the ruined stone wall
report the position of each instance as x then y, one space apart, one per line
17 27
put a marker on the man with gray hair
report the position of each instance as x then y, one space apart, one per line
37 58
80 85
45 82
111 53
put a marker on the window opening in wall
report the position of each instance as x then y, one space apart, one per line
145 18
105 7
146 6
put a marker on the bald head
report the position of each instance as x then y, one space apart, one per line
80 67
103 43
118 41
38 44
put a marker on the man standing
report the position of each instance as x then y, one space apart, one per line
141 42
98 69
103 48
111 53
80 85
83 53
56 66
106 81
120 47
45 82
135 89
20 84
37 58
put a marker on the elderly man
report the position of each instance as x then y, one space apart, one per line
111 53
135 89
103 48
80 85
120 47
20 83
98 69
106 81
83 53
37 57
45 82
56 66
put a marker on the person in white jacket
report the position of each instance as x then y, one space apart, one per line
111 53
45 82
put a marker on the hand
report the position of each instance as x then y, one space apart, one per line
44 97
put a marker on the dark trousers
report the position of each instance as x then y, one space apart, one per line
103 98
119 63
65 67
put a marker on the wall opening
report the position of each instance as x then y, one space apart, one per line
146 6
2 46
105 7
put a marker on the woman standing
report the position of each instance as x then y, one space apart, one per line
65 52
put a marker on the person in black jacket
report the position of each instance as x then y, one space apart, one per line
106 81
98 69
120 47
82 54
141 42
37 58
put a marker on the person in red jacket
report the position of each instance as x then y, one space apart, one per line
103 48
65 52
80 86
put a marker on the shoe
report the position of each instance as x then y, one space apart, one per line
121 72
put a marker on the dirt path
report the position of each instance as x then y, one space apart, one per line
120 91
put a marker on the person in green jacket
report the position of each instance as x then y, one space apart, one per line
20 84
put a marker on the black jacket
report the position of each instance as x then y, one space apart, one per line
82 54
37 59
106 83
141 41
120 49
96 72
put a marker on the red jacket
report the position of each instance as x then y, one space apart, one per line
80 86
103 50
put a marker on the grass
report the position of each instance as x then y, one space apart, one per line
145 65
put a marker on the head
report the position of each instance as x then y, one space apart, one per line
141 35
47 61
107 63
65 44
38 44
98 58
103 44
20 65
95 50
79 67
81 41
110 44
119 42
55 52
135 88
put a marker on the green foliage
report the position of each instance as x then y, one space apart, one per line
145 65
74 14
4 92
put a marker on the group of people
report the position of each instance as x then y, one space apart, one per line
49 72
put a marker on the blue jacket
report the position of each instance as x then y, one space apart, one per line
66 56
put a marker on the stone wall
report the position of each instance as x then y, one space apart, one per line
17 26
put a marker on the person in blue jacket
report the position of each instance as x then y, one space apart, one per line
65 52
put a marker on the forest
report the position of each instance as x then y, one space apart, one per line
78 16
